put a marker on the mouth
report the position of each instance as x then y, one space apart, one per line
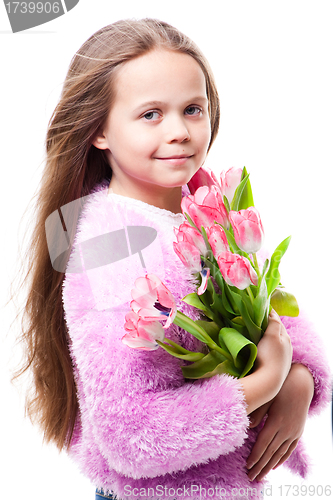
174 159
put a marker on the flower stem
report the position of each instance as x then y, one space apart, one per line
256 265
198 332
213 345
250 294
180 348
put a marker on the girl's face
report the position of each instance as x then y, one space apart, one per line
158 130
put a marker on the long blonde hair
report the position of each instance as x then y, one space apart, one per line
73 167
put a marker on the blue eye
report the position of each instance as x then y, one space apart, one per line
151 115
193 110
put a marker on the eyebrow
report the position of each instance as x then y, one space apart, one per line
153 104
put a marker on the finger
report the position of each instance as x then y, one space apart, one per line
287 455
268 442
264 440
280 456
273 315
268 461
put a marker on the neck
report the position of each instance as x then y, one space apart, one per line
158 196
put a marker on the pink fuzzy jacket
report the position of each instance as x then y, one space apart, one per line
142 429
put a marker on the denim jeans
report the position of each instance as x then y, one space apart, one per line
100 495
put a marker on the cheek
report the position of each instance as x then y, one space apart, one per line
143 142
203 137
131 141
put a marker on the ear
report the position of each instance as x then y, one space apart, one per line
100 140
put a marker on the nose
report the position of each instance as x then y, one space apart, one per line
177 129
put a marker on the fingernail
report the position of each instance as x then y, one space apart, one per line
250 465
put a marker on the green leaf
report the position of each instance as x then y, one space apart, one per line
261 302
179 352
234 205
220 306
284 303
212 301
210 327
194 300
205 237
243 351
225 307
238 320
233 245
233 297
248 300
246 199
226 203
192 327
239 325
231 240
212 364
190 221
273 275
254 331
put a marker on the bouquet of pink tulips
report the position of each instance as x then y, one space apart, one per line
218 243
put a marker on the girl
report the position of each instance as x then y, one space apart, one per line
138 113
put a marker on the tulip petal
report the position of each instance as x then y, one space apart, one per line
152 330
144 336
200 195
191 235
189 255
237 270
229 182
204 280
203 177
152 300
248 229
217 239
206 216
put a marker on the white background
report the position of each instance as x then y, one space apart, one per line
273 66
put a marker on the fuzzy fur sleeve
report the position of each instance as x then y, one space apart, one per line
308 349
136 407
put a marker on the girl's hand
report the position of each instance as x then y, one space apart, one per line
284 426
271 367
275 350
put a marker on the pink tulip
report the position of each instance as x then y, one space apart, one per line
189 247
229 182
142 334
217 239
203 177
248 230
205 207
189 255
188 233
152 300
237 270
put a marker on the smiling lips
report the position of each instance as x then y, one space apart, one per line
175 159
